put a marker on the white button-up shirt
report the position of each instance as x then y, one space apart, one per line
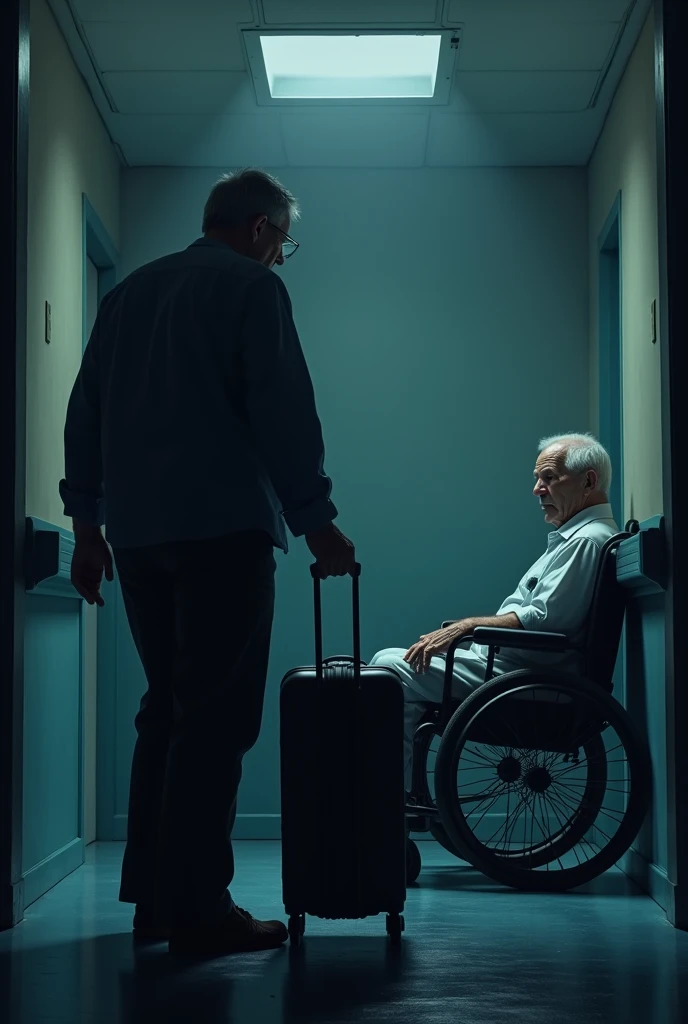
554 595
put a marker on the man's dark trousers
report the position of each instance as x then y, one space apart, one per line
201 616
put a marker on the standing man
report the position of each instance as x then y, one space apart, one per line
192 433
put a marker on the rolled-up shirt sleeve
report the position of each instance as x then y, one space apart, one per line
82 488
560 600
281 409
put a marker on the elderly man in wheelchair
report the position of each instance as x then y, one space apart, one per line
518 759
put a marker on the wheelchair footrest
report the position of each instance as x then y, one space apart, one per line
418 818
422 811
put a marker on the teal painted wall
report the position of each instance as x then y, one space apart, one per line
52 824
646 701
444 315
51 717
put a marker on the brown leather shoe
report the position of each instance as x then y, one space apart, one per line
238 933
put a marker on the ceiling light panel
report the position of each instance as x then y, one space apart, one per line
382 67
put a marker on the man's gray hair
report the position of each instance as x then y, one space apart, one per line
583 452
250 192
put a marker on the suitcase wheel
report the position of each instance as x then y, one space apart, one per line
296 927
395 926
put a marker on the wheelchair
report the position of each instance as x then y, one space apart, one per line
539 779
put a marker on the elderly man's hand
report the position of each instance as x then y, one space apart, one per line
91 560
431 645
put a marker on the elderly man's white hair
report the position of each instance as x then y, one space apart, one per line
582 452
237 197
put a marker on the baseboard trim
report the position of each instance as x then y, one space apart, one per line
116 831
650 877
42 877
11 904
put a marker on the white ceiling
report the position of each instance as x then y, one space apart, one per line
533 83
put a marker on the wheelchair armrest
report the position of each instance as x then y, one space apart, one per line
524 639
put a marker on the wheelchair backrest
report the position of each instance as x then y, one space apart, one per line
606 616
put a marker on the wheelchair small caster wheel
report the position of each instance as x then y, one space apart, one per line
296 927
413 862
395 926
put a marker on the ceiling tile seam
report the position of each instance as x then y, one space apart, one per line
254 21
60 16
621 72
441 6
606 67
78 25
175 71
527 71
530 71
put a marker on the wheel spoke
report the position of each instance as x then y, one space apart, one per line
564 827
490 780
558 859
506 819
566 805
479 754
596 785
487 809
572 768
609 812
544 830
521 803
504 826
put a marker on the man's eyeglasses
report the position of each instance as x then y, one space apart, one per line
289 245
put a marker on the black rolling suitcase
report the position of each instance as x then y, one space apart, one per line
342 781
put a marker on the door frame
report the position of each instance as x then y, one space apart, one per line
14 159
97 246
610 374
671 98
610 364
671 95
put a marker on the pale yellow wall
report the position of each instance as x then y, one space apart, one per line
625 160
69 153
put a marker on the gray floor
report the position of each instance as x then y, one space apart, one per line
473 952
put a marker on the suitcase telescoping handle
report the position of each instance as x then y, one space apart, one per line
317 601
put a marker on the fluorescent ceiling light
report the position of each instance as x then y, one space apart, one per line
351 67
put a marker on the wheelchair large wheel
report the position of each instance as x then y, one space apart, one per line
541 852
541 780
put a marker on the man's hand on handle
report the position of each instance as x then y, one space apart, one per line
91 561
334 553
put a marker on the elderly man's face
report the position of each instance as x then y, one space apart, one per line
561 494
266 241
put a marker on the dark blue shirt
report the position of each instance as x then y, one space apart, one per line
193 414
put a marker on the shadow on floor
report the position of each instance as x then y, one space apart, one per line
337 980
473 952
106 979
465 878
